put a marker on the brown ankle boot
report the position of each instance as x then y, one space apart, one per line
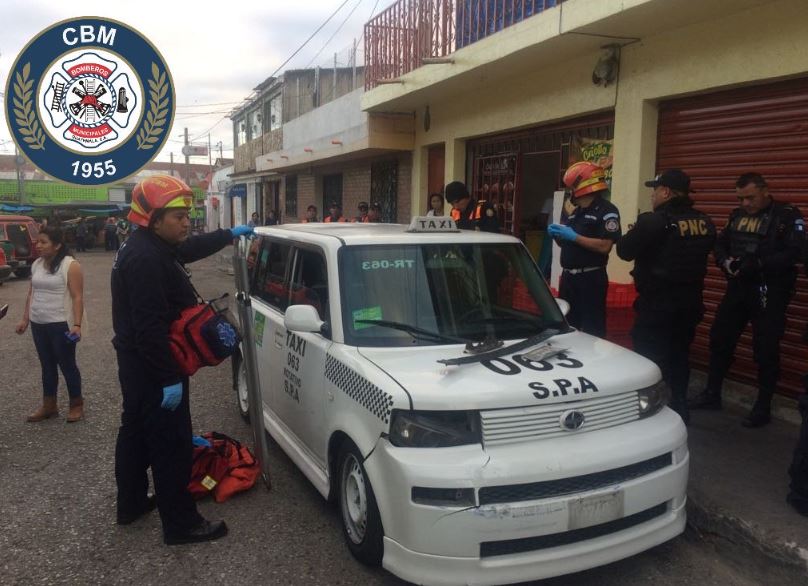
47 410
76 412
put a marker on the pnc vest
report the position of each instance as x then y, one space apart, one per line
689 238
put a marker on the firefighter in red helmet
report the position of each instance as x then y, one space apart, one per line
586 239
150 288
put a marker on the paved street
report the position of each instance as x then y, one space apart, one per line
58 510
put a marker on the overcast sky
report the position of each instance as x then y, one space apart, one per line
217 51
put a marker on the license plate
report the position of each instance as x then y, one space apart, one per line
594 510
23 263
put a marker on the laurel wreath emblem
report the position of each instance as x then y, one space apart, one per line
153 127
27 122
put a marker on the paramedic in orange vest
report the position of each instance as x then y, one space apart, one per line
586 239
362 218
335 213
469 214
311 215
150 288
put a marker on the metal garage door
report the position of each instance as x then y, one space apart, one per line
717 137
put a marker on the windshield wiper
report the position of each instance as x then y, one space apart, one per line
414 331
504 351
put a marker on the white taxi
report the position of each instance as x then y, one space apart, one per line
426 379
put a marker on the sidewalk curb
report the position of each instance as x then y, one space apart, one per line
746 542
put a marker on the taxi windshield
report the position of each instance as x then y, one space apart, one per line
433 294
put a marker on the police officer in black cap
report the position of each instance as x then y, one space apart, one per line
669 247
757 250
469 214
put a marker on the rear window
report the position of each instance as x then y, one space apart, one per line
270 268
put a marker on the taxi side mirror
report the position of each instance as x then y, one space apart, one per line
303 318
563 305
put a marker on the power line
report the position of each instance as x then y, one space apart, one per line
209 104
306 42
282 65
334 34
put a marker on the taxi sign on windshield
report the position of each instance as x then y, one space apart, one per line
432 224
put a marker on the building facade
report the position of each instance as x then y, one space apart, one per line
506 97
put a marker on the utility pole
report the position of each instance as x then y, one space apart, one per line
19 161
334 84
221 156
172 163
187 160
353 66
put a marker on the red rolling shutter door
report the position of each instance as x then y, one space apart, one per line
717 137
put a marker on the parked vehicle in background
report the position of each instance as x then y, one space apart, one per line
5 268
21 231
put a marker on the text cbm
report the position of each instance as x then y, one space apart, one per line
88 34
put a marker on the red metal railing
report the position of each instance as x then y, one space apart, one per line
398 39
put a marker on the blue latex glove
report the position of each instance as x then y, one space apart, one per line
171 397
200 441
562 232
242 230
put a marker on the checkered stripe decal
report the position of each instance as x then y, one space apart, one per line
359 388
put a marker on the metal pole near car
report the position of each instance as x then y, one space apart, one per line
248 355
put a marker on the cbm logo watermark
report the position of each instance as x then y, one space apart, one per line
90 101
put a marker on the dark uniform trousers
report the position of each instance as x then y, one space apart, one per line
152 436
586 294
742 303
664 327
799 465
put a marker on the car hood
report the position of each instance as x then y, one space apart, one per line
590 367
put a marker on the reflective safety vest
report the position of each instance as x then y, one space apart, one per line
474 214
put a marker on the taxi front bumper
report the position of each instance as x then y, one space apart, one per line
576 502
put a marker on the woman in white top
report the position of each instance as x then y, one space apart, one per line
435 205
54 308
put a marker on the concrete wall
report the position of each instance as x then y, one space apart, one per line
760 42
341 118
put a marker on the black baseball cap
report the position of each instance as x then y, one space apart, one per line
672 178
362 204
456 190
335 204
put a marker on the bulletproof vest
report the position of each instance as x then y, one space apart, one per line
689 238
747 232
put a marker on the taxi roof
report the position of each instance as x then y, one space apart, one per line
356 234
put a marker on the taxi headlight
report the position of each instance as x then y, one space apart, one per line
653 398
434 429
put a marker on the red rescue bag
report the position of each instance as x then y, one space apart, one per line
204 335
224 469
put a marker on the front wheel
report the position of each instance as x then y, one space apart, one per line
23 273
361 522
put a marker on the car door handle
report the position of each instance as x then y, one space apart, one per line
279 339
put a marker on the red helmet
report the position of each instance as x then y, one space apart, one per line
585 178
157 192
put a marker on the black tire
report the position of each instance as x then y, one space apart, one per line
23 273
361 522
240 386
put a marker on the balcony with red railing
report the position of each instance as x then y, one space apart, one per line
411 33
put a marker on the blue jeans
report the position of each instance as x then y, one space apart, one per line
54 349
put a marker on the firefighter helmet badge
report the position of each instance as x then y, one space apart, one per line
90 101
